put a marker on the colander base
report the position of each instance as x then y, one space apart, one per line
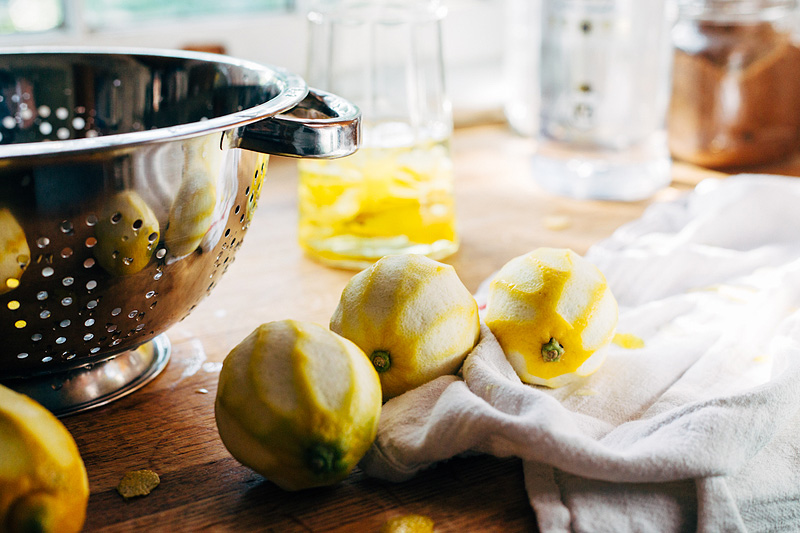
94 385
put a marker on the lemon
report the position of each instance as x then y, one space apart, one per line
127 234
14 252
412 316
43 482
552 312
192 211
298 404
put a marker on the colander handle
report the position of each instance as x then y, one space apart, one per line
322 126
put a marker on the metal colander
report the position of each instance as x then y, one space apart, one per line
127 182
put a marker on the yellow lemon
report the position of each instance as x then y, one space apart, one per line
552 312
298 404
413 318
127 234
14 252
43 483
192 212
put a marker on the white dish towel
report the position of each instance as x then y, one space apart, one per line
698 430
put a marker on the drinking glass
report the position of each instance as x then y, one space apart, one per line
395 194
605 85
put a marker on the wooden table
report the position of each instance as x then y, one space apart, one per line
169 425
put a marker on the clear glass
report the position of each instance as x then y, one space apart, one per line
736 90
521 65
395 195
605 81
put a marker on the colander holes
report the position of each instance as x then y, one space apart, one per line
137 224
41 242
67 281
89 263
94 350
44 258
19 324
62 133
62 113
12 283
227 232
91 304
89 322
247 191
68 358
236 211
46 359
22 355
41 296
157 275
44 111
91 220
36 337
88 337
117 83
150 294
91 284
92 133
111 328
61 340
45 128
152 237
233 241
25 114
241 219
78 123
44 314
65 323
115 342
91 242
116 311
47 272
153 305
161 252
140 327
66 252
13 305
9 123
116 217
133 313
66 301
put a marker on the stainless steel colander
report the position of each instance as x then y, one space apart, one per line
128 179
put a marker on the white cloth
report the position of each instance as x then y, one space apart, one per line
697 430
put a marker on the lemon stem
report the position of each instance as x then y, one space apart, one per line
381 360
552 351
323 459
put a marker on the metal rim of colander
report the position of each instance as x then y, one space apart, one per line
292 90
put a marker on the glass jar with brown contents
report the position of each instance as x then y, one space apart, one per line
736 83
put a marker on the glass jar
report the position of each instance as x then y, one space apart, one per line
736 83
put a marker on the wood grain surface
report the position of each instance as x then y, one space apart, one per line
168 426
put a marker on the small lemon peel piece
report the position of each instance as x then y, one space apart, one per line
410 523
137 483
